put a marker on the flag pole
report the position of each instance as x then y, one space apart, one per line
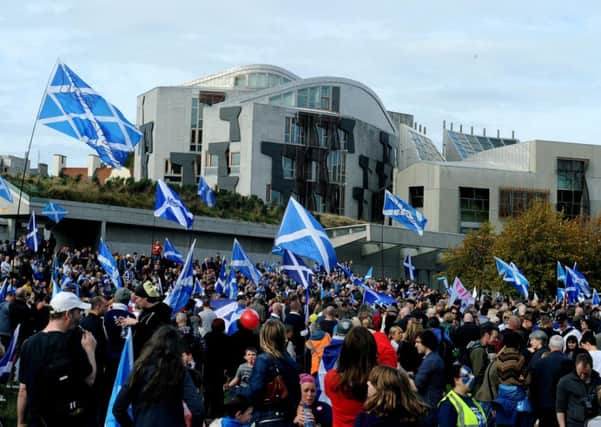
29 151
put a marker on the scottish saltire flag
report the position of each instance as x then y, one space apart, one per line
512 275
409 268
32 233
404 213
232 285
108 263
171 253
580 281
372 297
126 365
182 291
350 275
445 283
595 300
72 107
169 206
55 212
297 270
8 360
198 289
4 290
228 310
220 284
242 263
205 192
369 273
561 294
328 362
5 191
572 290
303 235
561 273
56 287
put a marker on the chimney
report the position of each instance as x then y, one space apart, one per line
451 126
512 134
498 134
460 128
471 130
93 164
444 124
483 131
59 162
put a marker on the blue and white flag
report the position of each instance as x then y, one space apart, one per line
561 273
108 263
168 205
32 233
126 365
221 279
445 283
561 294
372 297
8 360
182 291
297 270
231 288
55 212
580 281
512 275
171 253
242 263
595 301
56 287
329 361
5 191
227 310
303 235
198 288
205 192
349 275
72 107
369 274
572 289
404 213
409 268
4 290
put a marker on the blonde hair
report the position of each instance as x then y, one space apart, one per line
413 329
393 330
272 338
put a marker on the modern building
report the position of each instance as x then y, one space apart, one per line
93 169
493 184
13 165
264 131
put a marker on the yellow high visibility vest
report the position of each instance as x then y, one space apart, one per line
465 415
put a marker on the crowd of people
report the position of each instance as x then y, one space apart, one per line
420 361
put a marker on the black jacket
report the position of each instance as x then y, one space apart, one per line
545 375
573 397
149 321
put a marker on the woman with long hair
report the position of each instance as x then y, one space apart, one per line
158 385
391 400
273 384
346 386
409 358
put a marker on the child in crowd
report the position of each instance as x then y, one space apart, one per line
244 370
238 412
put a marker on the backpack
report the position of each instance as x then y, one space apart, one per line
465 356
448 354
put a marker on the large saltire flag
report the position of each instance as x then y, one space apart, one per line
297 270
512 275
404 213
409 268
72 107
171 253
54 211
108 263
580 281
303 235
126 365
182 291
32 239
168 205
242 263
8 360
561 273
205 193
5 191
221 279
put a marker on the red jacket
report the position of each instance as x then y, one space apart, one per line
344 408
386 354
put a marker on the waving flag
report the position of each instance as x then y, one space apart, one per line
512 275
369 273
242 263
231 287
350 275
55 212
445 283
580 281
297 270
169 206
4 290
596 301
404 213
171 253
561 294
459 292
301 234
126 365
561 273
32 233
56 287
372 297
220 284
409 268
8 360
572 290
205 192
72 107
182 291
5 191
228 310
328 362
106 260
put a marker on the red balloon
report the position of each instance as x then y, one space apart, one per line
250 319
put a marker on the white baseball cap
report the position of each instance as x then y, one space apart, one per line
66 301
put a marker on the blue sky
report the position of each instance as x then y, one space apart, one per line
533 67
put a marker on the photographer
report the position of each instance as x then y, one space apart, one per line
576 394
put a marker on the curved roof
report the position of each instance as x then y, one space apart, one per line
243 69
313 81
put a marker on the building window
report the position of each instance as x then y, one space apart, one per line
294 133
312 173
473 204
317 97
234 162
323 136
240 81
572 197
288 168
320 204
416 197
343 139
513 202
196 125
336 167
212 160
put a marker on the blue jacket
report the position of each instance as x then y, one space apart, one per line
430 379
510 403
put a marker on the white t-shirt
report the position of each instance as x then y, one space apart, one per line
596 355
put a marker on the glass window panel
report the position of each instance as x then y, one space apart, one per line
302 98
235 158
252 80
288 99
314 97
